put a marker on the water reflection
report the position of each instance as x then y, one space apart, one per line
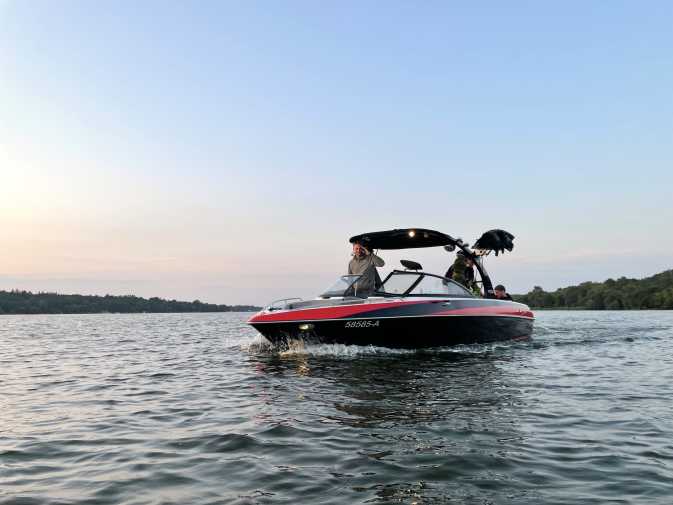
464 390
428 413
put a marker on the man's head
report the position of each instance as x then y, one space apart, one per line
500 291
468 261
359 250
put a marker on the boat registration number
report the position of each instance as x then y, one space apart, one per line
362 324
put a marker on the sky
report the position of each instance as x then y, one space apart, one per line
226 151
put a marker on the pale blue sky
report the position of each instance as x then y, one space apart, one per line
227 150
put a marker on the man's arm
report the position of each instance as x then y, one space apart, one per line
378 262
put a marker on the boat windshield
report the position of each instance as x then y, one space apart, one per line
421 284
431 285
342 287
399 282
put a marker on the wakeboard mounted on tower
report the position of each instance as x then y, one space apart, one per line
495 240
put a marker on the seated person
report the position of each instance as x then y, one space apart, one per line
501 293
364 263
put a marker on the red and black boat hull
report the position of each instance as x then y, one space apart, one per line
400 324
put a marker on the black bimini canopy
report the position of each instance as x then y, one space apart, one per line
405 238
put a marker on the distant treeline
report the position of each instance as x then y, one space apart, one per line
25 302
654 292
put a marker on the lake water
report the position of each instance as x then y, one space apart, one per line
191 409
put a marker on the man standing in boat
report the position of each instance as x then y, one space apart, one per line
462 271
364 263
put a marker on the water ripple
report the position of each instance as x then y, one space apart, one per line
197 408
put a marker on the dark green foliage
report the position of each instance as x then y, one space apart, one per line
654 292
25 302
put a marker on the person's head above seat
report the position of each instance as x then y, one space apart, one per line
500 291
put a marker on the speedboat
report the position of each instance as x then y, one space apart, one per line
410 309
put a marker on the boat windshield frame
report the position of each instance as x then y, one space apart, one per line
412 286
348 280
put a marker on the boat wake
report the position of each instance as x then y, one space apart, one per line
298 347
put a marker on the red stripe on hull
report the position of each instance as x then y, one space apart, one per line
316 314
485 311
326 312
